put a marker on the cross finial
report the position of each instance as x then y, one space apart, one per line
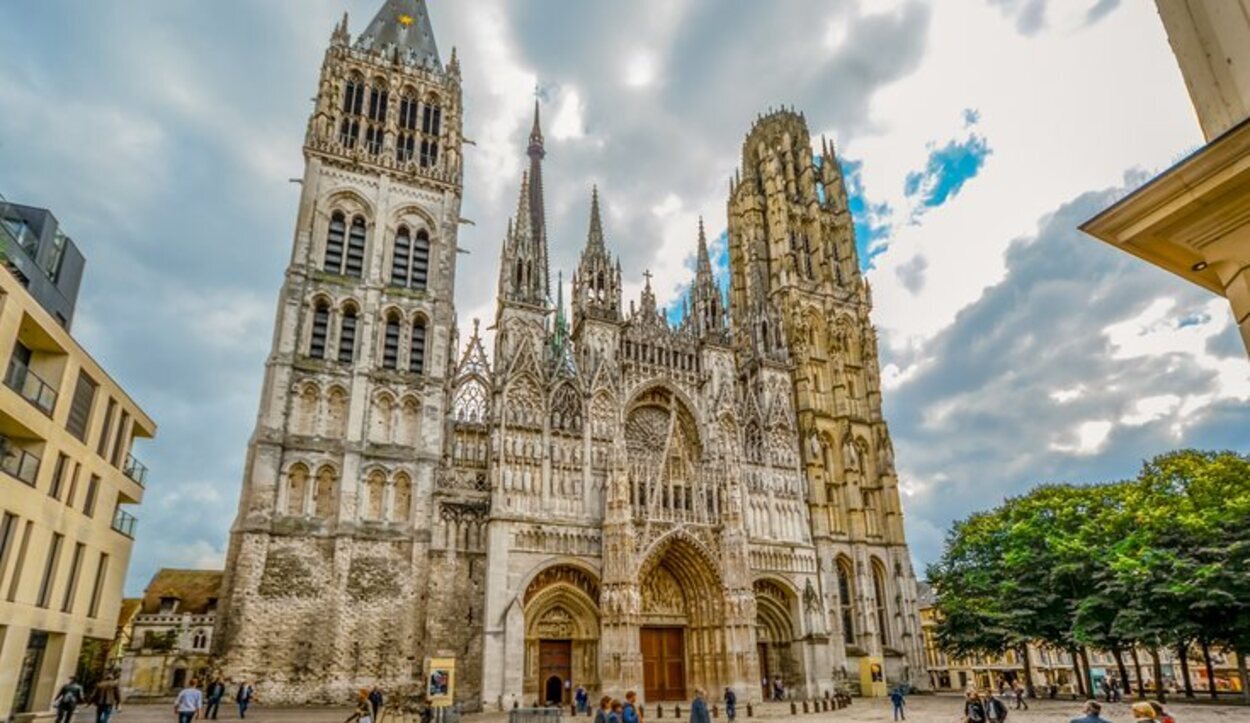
647 275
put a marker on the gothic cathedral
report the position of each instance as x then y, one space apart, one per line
607 500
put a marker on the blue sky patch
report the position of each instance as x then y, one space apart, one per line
948 169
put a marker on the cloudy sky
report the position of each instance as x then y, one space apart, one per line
978 135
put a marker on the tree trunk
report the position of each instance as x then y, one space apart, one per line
1182 650
1160 693
1141 688
1206 661
1088 677
1119 664
1241 673
1078 679
1028 671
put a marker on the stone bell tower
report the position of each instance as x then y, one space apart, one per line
333 532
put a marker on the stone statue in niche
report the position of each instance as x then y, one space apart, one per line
850 454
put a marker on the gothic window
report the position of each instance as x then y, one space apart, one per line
429 153
846 601
335 238
383 416
347 335
402 498
375 489
374 135
753 443
356 248
470 402
378 99
336 412
390 346
306 406
405 147
199 641
432 120
320 329
354 95
416 348
323 495
401 257
878 585
349 132
421 261
296 489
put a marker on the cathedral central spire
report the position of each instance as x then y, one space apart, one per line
538 215
403 27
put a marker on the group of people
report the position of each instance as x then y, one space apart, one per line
613 710
191 703
1112 691
369 706
1144 711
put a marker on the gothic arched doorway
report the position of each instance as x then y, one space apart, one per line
561 633
774 635
682 633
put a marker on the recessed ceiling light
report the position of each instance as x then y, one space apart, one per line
1200 266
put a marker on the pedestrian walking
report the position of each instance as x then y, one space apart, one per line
698 707
189 704
375 702
731 704
779 688
1019 691
106 698
974 709
605 709
1092 711
899 701
995 708
67 699
616 712
363 712
629 710
243 697
580 697
213 694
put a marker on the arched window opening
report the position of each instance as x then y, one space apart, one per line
356 248
347 335
406 144
878 584
354 95
335 237
375 488
429 153
323 495
378 99
401 258
320 330
416 349
402 498
846 602
390 349
297 487
199 641
374 135
432 120
421 261
349 132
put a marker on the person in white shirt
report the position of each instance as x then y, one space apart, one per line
190 701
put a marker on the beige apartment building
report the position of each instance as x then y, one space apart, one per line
1194 218
67 475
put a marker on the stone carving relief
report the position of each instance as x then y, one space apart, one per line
661 595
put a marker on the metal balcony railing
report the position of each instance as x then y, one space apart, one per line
17 462
31 386
135 470
124 522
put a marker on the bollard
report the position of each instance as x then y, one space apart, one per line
677 712
750 710
805 710
794 709
573 709
715 711
516 704
659 711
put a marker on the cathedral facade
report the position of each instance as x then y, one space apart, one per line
605 499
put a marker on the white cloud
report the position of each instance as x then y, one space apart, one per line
1086 439
640 69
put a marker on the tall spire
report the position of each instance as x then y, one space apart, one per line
403 27
538 215
706 315
594 238
597 283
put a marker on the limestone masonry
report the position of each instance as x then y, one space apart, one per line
608 500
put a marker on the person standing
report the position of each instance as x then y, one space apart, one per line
616 713
190 703
106 698
698 708
67 700
731 704
1019 691
243 697
995 708
899 700
1143 712
375 701
629 711
580 698
605 709
213 694
1091 710
779 689
363 712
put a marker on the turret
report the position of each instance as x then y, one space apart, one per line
597 283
